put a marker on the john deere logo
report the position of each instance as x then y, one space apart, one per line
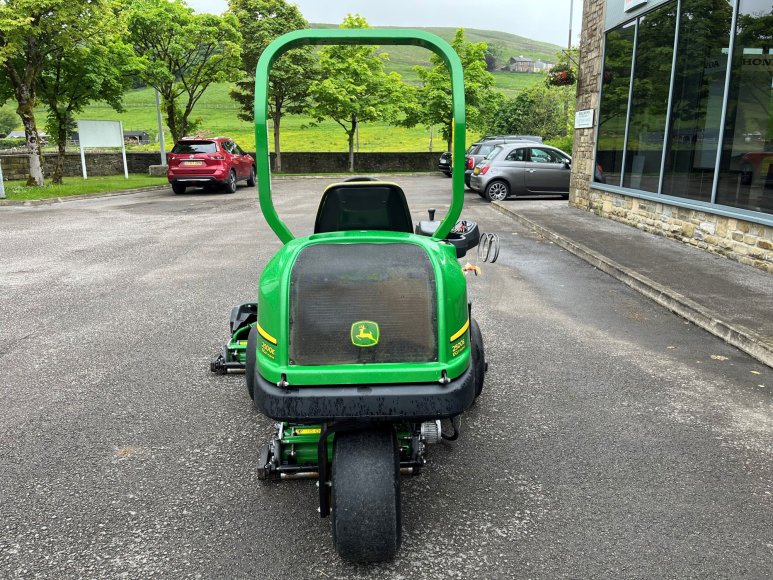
365 333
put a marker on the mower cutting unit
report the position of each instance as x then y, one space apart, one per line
363 340
234 353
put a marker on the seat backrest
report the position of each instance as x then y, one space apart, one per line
363 205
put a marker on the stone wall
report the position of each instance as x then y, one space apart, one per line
16 166
739 240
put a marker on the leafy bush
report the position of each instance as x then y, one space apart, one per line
11 144
563 143
8 121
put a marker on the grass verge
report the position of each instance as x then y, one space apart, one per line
18 191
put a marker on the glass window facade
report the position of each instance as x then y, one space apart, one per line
674 121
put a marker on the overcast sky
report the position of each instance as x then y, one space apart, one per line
546 20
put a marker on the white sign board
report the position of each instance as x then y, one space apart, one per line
101 134
583 119
631 4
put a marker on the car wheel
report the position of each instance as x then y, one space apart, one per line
447 173
230 185
178 188
497 190
251 178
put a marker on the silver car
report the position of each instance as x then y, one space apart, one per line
522 169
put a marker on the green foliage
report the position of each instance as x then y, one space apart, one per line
353 87
181 54
433 105
536 111
493 56
6 144
260 22
98 68
30 31
8 121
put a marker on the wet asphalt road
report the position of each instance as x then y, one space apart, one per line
613 440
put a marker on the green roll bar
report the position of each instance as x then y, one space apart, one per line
304 37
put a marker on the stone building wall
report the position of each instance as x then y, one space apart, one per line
740 240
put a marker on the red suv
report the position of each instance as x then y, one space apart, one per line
208 162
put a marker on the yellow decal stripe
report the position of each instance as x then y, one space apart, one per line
461 331
266 335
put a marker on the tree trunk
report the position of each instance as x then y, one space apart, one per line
171 122
278 159
61 142
351 133
26 111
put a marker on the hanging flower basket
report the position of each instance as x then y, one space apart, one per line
561 75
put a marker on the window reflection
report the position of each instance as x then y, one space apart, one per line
649 102
614 102
746 165
699 85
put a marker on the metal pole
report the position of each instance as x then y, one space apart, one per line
571 14
2 184
123 151
160 129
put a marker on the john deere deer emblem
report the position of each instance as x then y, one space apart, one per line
365 333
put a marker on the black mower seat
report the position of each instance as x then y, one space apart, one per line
363 205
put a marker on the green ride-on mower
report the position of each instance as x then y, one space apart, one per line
362 339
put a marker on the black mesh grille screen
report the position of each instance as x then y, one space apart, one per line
334 286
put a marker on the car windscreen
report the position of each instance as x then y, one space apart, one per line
486 149
192 147
492 152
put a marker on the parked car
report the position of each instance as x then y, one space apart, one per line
522 168
478 150
216 162
444 163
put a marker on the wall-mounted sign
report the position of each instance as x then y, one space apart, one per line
583 119
631 4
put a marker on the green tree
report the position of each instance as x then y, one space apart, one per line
97 69
537 110
8 122
260 22
434 94
30 32
353 87
493 56
181 54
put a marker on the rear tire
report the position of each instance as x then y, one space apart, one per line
230 185
478 357
251 178
497 190
178 188
366 495
249 363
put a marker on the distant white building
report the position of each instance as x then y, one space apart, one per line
540 65
20 135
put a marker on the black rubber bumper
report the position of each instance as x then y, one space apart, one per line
400 402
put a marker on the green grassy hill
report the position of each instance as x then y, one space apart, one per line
219 113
